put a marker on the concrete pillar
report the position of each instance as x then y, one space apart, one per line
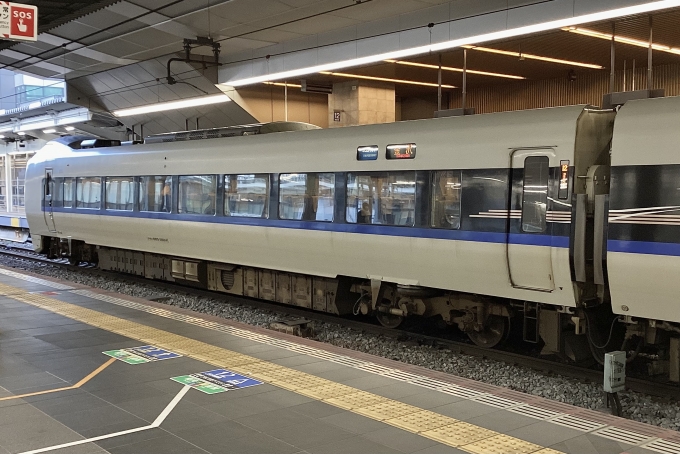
360 103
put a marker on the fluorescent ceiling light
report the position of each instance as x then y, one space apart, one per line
69 128
21 133
458 70
386 79
172 105
472 40
535 57
1 136
622 39
49 131
283 84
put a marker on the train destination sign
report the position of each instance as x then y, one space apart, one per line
367 153
18 22
401 151
563 192
216 381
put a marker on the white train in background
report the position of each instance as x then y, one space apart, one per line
565 221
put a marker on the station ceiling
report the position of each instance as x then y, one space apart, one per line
114 52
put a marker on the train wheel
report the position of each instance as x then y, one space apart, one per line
389 320
491 334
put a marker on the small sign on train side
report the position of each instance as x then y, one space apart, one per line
18 22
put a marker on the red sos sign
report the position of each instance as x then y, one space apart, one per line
23 21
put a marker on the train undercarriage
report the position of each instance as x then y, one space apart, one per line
580 335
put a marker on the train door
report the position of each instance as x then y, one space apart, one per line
48 198
529 251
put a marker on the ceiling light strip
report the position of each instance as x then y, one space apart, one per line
283 84
453 69
534 57
172 105
385 79
622 39
446 45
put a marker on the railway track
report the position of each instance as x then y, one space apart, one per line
641 385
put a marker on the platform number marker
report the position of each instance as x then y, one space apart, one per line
141 355
216 381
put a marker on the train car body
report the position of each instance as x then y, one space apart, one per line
473 219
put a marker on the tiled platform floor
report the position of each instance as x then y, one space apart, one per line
314 398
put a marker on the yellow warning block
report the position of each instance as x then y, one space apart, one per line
458 434
501 444
420 421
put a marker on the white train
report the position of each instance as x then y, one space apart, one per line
563 220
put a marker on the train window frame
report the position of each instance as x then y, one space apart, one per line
332 198
227 180
79 182
445 223
380 174
166 205
544 176
204 208
108 182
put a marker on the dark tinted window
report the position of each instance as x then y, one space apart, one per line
535 193
197 194
120 193
307 196
387 198
155 193
446 189
246 195
88 192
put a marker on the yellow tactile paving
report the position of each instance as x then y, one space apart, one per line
420 421
357 399
326 391
443 429
459 434
390 409
501 444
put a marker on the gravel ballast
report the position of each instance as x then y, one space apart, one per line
636 406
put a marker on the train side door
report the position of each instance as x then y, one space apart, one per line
529 251
48 200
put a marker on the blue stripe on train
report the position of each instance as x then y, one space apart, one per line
644 247
410 232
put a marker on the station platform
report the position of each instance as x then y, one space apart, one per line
85 371
13 227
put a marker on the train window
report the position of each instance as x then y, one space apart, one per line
197 194
155 194
246 195
120 193
535 193
385 198
307 196
67 192
446 189
88 192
